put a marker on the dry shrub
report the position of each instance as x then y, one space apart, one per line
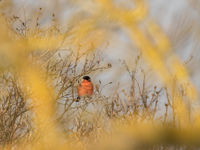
42 66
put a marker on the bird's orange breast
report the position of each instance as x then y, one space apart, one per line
85 88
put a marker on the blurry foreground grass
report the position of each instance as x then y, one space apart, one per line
40 69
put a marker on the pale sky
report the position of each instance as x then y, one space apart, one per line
162 11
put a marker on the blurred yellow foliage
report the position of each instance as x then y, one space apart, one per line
158 54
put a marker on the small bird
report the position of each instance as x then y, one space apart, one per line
85 88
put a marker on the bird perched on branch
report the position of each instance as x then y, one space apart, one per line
85 88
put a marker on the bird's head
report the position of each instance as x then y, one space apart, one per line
87 78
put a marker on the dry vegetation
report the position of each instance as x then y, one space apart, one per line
41 67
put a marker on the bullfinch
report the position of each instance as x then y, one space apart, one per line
85 88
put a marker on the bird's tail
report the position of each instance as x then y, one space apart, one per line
78 99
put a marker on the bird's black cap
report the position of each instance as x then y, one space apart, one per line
86 78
